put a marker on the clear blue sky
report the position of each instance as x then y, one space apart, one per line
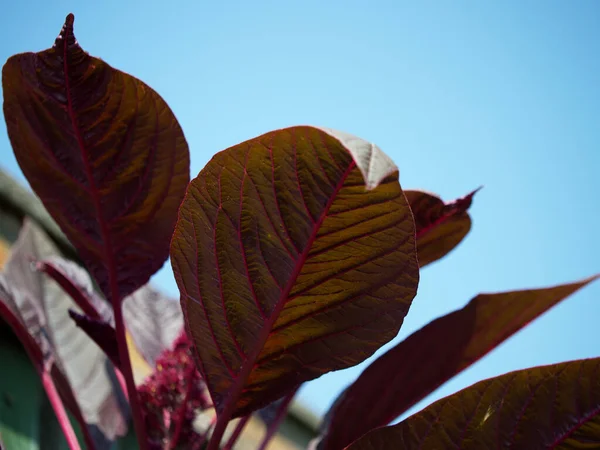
504 94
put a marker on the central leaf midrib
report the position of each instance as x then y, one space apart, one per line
247 366
107 247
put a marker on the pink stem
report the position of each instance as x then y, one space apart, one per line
197 445
122 382
59 410
69 287
183 408
134 401
274 426
221 425
236 433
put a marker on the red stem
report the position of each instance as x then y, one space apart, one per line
183 408
197 445
80 298
217 434
236 433
122 382
59 410
134 401
281 412
35 355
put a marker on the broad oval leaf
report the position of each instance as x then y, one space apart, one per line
104 153
295 255
431 356
546 407
440 226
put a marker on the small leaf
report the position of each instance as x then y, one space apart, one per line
79 369
104 153
440 226
101 332
294 254
431 356
547 407
153 319
79 296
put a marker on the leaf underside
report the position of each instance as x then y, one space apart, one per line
431 356
549 407
79 369
290 264
153 320
440 226
104 153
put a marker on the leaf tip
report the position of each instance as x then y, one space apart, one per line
66 32
464 203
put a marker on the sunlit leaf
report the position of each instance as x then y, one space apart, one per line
429 357
440 226
294 254
104 153
549 407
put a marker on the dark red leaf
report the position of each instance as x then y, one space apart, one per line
431 356
102 333
440 226
294 254
547 407
104 153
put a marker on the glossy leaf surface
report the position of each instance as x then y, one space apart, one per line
294 254
549 407
440 226
431 356
104 153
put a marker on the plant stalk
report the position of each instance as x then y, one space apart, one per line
217 434
126 370
183 408
59 410
274 426
236 432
